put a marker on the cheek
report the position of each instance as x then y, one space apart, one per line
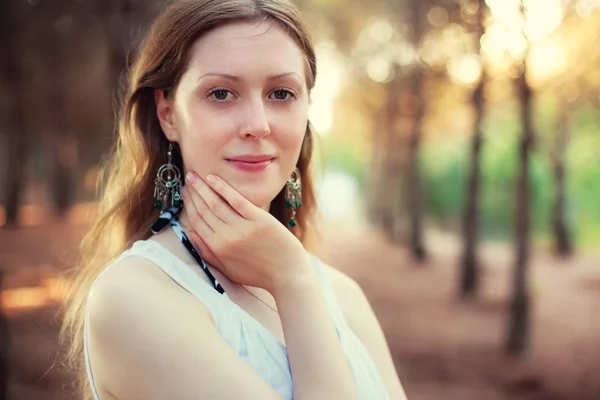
294 130
202 141
201 131
291 147
204 144
290 142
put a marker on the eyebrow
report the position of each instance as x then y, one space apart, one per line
237 78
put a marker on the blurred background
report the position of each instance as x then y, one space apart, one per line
458 168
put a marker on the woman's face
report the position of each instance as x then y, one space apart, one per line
241 108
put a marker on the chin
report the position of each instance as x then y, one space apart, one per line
258 194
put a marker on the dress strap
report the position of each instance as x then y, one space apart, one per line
172 216
176 226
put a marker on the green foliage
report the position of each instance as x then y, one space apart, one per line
347 156
583 178
444 177
445 166
499 174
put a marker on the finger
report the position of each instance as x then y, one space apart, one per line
237 202
198 223
205 212
213 201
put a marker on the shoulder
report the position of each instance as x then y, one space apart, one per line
134 309
131 296
343 284
352 300
148 338
129 287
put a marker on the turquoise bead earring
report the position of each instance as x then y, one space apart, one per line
293 195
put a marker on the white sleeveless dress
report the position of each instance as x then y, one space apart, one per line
254 343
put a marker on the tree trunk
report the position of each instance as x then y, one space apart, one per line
414 174
16 127
562 240
17 158
386 166
392 168
518 329
117 15
61 154
470 263
63 160
5 347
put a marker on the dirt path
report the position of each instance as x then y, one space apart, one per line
446 349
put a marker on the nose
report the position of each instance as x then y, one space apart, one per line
256 124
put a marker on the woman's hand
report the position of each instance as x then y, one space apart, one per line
243 241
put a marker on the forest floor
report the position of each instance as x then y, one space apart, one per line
443 348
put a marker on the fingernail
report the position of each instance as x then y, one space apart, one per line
211 178
191 177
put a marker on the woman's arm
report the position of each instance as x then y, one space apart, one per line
319 367
150 339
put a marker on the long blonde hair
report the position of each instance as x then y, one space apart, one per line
126 209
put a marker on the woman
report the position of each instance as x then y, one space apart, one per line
218 299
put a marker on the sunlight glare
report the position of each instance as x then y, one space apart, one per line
404 53
506 12
381 31
546 60
517 45
584 8
494 40
469 7
465 69
437 16
326 88
378 70
543 18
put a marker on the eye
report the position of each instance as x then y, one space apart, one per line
282 95
219 95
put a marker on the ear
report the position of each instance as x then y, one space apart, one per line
164 112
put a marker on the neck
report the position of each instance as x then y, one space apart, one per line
184 219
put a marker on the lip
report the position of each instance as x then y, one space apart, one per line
248 158
251 163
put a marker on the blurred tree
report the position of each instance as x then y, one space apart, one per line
394 49
470 263
116 28
418 18
519 317
58 139
387 163
562 238
118 17
15 115
575 88
4 347
55 64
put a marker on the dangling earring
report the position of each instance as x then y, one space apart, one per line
167 184
293 195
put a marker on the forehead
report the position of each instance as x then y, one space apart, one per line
247 46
